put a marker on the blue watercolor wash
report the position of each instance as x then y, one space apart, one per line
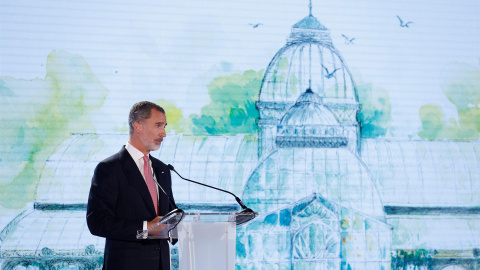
285 217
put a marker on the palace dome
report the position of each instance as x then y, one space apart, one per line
308 60
308 110
310 124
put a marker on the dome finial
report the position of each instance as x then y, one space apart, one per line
310 7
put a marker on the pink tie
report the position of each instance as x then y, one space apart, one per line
147 171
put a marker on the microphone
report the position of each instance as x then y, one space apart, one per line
170 199
243 216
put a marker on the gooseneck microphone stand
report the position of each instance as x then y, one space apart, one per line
243 216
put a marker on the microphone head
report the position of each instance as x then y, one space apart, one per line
247 210
170 167
245 216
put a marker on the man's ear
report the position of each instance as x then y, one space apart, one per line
137 127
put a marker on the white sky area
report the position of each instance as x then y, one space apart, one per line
172 49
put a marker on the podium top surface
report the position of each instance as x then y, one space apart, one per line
167 225
210 217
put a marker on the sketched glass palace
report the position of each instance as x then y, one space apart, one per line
327 199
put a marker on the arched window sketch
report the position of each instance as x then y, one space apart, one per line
316 239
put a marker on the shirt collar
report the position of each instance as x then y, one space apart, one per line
134 152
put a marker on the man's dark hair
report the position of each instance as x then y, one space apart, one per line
142 111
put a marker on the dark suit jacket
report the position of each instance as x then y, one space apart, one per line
118 204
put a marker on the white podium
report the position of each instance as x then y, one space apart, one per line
206 241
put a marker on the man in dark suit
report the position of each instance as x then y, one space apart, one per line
124 198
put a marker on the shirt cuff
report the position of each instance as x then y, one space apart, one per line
145 228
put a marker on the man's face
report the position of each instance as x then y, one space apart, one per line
153 130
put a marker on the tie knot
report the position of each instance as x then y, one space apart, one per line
145 158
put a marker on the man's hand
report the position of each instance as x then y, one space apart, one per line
157 229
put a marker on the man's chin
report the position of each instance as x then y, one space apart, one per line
155 146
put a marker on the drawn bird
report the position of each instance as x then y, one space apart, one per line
329 74
255 25
348 40
402 24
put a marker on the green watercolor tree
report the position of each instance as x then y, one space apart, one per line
232 108
461 85
176 123
374 116
42 114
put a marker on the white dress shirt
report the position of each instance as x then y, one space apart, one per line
137 156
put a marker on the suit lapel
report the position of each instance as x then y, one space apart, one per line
135 178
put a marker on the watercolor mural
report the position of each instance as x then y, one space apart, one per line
356 138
